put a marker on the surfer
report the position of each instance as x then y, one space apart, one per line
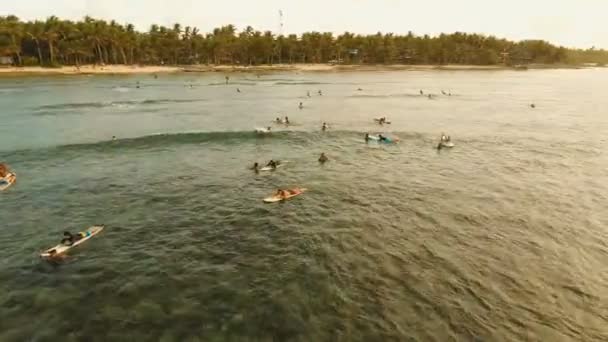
421 92
308 93
272 164
320 93
69 238
323 158
532 105
227 79
324 128
286 120
367 137
256 167
282 193
359 89
301 105
3 170
381 137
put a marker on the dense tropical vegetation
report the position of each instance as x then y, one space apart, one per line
56 42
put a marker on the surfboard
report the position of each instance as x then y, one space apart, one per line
262 130
270 168
61 248
7 181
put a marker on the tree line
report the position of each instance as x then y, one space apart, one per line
55 42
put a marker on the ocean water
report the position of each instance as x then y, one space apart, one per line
502 238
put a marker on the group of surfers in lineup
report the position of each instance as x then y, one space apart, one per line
69 239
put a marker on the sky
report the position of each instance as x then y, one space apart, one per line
571 23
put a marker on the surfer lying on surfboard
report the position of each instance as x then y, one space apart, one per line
70 238
286 193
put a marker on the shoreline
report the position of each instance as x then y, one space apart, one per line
134 70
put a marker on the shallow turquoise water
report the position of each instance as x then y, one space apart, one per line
501 238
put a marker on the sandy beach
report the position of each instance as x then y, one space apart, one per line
132 69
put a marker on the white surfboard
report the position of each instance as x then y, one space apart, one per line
7 181
270 168
61 248
262 130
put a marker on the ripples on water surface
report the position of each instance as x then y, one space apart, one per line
502 238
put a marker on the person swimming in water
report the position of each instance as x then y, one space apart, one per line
323 158
532 105
238 90
320 93
421 92
301 105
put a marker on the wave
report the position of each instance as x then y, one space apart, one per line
363 96
189 138
102 104
10 90
232 83
265 79
301 83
